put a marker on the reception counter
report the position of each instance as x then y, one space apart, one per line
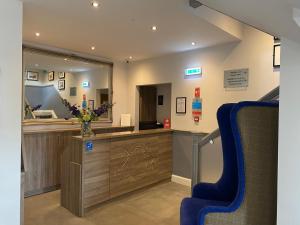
109 165
44 143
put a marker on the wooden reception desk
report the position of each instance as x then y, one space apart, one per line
44 144
106 166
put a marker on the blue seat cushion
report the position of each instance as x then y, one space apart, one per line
190 208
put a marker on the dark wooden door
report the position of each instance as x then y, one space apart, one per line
148 103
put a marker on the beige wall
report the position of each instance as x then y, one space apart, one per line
289 135
254 52
10 113
120 91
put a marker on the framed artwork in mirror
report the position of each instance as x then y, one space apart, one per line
51 76
34 76
61 75
61 85
73 91
91 105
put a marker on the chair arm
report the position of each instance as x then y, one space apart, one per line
207 191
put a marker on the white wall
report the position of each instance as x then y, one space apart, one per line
10 113
120 91
254 52
289 135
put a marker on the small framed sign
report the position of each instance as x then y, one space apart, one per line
32 75
61 85
238 78
181 105
61 75
276 56
91 105
51 76
89 146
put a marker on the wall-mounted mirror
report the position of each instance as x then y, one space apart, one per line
50 77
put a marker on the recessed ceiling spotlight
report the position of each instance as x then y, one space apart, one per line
154 28
37 34
130 57
193 43
66 59
93 48
95 4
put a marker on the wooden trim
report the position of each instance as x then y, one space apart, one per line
41 191
181 180
48 128
123 134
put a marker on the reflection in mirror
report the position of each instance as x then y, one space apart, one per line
50 78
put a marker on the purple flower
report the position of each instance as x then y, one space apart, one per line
36 108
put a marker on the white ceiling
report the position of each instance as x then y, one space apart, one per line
37 61
119 28
272 16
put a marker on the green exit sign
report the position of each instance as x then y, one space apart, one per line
193 72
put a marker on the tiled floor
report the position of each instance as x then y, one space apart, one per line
158 205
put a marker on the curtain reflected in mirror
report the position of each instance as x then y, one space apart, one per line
51 78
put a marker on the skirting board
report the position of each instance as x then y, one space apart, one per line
182 180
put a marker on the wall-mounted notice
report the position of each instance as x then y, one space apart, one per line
236 78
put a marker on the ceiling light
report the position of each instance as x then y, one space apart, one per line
193 43
95 4
37 34
130 57
66 59
93 48
154 28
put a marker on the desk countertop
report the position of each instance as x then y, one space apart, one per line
123 134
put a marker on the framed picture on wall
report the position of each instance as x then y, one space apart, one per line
181 105
91 104
51 76
61 75
34 76
276 56
61 85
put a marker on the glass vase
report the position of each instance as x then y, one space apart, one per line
86 129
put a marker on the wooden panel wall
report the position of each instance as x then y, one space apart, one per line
43 155
96 174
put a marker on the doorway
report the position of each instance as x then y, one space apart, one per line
154 105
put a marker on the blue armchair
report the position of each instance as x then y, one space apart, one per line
246 191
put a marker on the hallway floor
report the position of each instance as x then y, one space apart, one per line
157 205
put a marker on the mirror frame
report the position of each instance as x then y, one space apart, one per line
73 56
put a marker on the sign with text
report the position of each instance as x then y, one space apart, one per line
193 72
236 78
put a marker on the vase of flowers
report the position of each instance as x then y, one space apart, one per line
86 129
85 115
